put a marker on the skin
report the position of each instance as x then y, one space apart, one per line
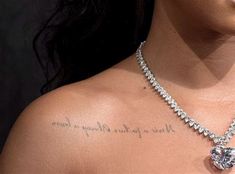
191 50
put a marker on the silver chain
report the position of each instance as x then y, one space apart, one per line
222 140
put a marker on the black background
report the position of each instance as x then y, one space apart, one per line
20 74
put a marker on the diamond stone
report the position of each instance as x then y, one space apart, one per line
223 157
179 112
201 129
196 126
217 139
148 73
206 132
171 101
150 76
176 109
173 105
231 129
154 84
233 124
152 80
142 62
191 122
211 135
233 133
226 132
162 92
168 98
183 115
186 119
144 68
144 65
165 95
157 87
229 135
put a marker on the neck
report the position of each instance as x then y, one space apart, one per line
193 58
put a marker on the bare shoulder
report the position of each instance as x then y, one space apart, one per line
45 138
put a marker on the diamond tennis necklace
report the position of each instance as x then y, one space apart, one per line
222 157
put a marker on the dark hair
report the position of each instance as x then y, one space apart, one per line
84 37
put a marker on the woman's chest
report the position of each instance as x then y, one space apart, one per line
147 142
176 152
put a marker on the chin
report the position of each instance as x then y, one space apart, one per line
226 27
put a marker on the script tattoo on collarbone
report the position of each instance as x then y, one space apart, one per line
124 129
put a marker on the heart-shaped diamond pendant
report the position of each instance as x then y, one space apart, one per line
223 157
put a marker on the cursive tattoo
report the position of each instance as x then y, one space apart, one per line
100 127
